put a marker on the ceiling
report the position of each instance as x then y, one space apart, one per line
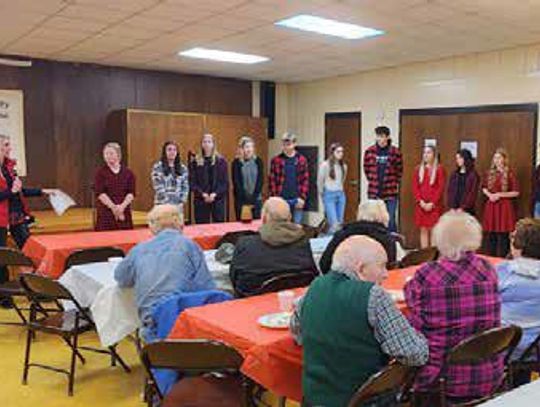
148 33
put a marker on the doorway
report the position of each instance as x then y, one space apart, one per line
346 129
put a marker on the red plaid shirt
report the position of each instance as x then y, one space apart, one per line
392 175
449 302
277 175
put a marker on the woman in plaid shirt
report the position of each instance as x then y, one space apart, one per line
452 299
170 177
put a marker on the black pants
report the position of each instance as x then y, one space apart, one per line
498 244
209 213
257 205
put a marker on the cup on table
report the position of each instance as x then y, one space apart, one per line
286 300
115 260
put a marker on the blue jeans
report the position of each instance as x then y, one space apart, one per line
334 207
537 210
391 206
297 214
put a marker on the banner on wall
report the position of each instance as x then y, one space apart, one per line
12 125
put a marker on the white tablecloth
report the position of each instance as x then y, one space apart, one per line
527 395
113 308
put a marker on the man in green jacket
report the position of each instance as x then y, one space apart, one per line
350 327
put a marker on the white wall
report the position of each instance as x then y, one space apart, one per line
501 77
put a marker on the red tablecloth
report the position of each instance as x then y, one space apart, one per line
50 252
272 358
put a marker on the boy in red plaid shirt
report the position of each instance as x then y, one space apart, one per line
383 166
289 177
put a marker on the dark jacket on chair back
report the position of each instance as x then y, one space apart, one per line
375 230
279 248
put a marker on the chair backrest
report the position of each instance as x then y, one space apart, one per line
43 288
391 378
14 257
94 255
419 256
233 237
532 351
485 345
287 281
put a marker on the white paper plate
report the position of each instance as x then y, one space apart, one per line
397 295
278 320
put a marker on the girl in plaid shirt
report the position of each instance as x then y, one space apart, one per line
170 177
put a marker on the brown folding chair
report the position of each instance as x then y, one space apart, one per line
94 255
419 256
68 324
529 361
210 371
233 237
287 282
12 288
389 383
476 349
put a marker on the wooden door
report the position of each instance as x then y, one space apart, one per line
512 127
345 128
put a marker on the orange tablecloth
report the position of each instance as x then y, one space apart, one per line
50 252
272 358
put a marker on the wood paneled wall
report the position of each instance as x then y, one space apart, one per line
66 105
144 133
512 127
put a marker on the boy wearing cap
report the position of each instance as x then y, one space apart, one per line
289 177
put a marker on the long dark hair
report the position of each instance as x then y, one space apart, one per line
332 160
468 159
165 162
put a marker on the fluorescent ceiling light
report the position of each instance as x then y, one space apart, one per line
224 56
326 26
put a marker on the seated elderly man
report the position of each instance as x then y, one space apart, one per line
519 285
281 247
169 263
350 327
452 299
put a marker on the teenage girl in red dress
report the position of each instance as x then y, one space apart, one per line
428 188
500 188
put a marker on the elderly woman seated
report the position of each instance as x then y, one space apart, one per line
350 327
519 285
451 300
372 220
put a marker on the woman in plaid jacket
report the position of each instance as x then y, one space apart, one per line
170 177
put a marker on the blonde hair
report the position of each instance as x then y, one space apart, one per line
434 167
242 143
373 210
492 177
215 154
115 146
165 217
457 233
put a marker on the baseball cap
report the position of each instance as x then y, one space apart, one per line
289 137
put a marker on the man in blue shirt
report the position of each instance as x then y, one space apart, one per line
169 263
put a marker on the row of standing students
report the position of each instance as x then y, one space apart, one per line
206 177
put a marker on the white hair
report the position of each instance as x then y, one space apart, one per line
165 217
457 233
355 251
373 210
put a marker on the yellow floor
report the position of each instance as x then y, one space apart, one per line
97 384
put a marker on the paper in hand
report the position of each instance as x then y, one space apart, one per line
60 201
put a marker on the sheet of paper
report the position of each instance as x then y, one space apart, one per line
60 202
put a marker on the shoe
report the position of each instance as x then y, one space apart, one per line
6 303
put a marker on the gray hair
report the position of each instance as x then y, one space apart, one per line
115 146
457 233
373 210
165 217
354 251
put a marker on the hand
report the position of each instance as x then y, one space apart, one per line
493 197
206 197
17 186
300 203
429 207
213 196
